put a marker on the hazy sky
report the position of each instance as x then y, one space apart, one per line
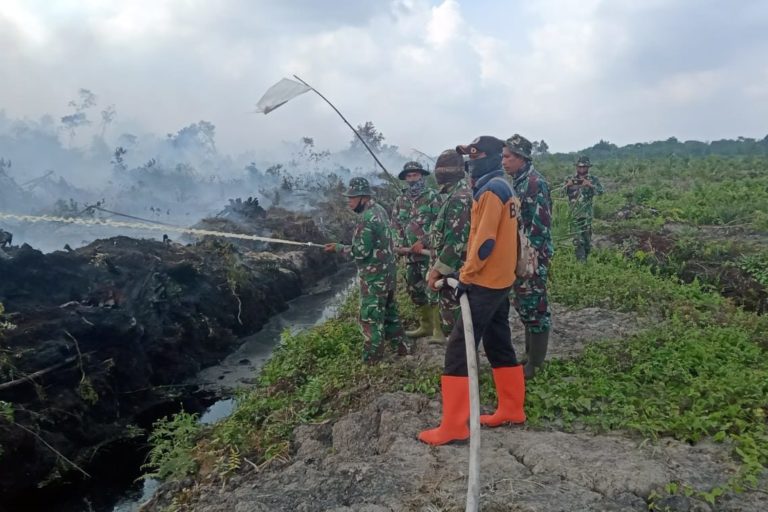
429 74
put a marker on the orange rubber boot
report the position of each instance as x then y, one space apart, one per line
510 389
453 425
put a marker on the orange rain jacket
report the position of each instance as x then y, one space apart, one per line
492 244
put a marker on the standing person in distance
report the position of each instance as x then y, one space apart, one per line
581 189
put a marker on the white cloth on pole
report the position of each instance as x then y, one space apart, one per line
279 94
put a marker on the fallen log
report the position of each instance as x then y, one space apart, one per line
39 373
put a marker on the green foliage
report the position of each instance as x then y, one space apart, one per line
426 383
4 325
173 440
307 370
611 281
312 375
6 414
6 411
755 265
700 372
711 190
679 379
406 308
87 392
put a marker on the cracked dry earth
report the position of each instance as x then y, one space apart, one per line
370 460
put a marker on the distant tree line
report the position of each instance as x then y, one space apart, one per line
674 147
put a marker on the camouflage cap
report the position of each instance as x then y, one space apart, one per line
449 158
583 161
412 167
487 144
520 146
359 187
449 167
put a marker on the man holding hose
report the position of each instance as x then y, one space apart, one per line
374 256
486 278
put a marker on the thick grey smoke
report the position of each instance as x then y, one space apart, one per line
82 165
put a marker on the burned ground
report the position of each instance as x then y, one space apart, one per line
717 256
106 337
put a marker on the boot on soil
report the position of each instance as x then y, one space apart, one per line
453 425
437 324
425 323
510 390
537 352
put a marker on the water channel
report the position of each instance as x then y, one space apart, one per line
237 370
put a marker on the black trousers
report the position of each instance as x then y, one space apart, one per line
490 319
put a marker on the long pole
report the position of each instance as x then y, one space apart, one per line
392 178
424 155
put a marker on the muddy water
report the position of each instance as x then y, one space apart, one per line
239 369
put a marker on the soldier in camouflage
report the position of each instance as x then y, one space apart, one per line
529 296
373 252
412 217
450 232
581 189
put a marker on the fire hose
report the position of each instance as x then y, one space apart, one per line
150 227
153 225
473 485
473 480
405 251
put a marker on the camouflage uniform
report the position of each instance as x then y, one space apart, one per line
413 218
374 256
580 199
449 243
530 295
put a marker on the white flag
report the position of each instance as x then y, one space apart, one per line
279 94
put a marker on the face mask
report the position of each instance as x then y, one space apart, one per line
482 166
359 207
415 188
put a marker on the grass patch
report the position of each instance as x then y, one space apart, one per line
312 375
699 372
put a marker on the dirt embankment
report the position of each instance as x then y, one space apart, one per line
369 460
107 334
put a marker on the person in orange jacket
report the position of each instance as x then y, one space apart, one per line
486 277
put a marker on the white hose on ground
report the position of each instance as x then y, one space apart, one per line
473 481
